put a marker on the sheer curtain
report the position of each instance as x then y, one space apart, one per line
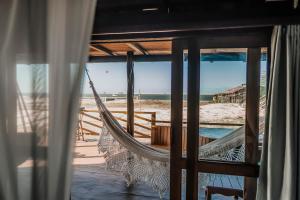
43 48
280 166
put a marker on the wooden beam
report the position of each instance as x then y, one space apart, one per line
193 120
160 58
176 120
130 93
138 48
229 168
136 58
224 167
117 5
176 5
205 16
252 118
233 38
102 49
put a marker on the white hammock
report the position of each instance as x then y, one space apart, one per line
139 162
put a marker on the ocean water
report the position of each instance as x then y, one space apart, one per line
215 132
207 97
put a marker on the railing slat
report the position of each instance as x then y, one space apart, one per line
144 135
142 118
147 126
90 131
92 124
91 116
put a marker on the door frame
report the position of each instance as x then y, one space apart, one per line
237 38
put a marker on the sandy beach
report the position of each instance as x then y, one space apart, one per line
209 112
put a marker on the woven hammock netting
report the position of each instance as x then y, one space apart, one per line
138 162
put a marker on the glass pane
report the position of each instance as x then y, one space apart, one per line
222 103
153 102
110 81
152 106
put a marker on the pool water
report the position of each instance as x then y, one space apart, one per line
215 132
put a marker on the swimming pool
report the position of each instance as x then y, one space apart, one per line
215 132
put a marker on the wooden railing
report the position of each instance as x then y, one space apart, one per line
90 122
144 122
203 123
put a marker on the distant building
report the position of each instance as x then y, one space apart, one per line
233 95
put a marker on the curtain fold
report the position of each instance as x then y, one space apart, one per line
280 165
43 48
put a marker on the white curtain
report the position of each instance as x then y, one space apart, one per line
43 48
280 166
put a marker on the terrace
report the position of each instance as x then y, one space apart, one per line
182 99
150 120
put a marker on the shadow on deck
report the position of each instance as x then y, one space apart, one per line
92 182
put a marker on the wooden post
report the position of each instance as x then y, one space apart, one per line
153 128
193 120
176 119
252 118
153 119
130 93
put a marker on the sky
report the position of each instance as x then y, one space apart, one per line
155 77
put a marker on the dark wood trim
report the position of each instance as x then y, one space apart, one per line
193 120
100 39
165 58
252 118
224 167
212 6
230 168
130 93
176 120
251 37
136 58
233 14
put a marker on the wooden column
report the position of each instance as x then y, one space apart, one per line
176 120
252 118
130 93
193 120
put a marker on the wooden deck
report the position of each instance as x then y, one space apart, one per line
92 182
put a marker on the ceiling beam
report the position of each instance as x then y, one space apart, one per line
136 58
138 48
103 49
211 57
205 17
233 38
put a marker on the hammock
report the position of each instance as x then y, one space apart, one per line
139 162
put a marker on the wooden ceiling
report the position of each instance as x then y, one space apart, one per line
147 27
148 48
135 18
139 48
